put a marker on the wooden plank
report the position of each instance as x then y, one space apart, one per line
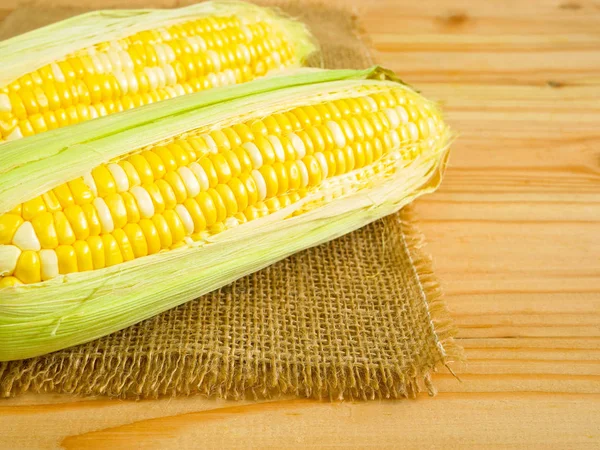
514 234
458 420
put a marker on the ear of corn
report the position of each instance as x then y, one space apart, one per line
109 61
112 221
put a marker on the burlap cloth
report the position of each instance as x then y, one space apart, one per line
359 317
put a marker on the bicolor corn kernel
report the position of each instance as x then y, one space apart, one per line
142 68
163 196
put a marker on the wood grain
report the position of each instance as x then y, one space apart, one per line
514 230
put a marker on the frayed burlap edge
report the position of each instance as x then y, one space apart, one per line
442 324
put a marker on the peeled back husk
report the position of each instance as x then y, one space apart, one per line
71 309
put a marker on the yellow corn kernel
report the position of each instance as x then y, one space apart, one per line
221 140
358 150
124 244
112 252
105 183
208 207
151 235
242 131
82 194
258 128
244 159
28 269
266 150
273 204
228 198
177 185
33 207
91 217
180 156
239 192
8 282
250 187
132 176
281 174
221 210
271 181
166 157
64 231
51 202
83 252
209 170
163 230
156 164
137 239
133 212
64 195
314 169
67 259
96 245
175 225
17 210
9 223
43 225
78 221
196 214
142 168
221 167
117 209
233 162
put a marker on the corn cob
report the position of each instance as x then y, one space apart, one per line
143 57
180 199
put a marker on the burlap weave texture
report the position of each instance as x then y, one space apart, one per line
359 317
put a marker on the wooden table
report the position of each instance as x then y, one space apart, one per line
515 232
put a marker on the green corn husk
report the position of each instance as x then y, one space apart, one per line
76 308
30 51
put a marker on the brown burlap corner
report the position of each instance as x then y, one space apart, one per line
359 317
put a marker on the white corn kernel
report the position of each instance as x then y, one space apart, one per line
120 177
189 180
210 142
57 73
338 134
49 264
88 179
104 216
303 172
215 59
298 145
413 131
277 147
144 201
261 186
170 74
402 114
152 77
186 218
15 134
5 105
122 81
9 255
392 116
320 157
26 238
254 154
200 175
